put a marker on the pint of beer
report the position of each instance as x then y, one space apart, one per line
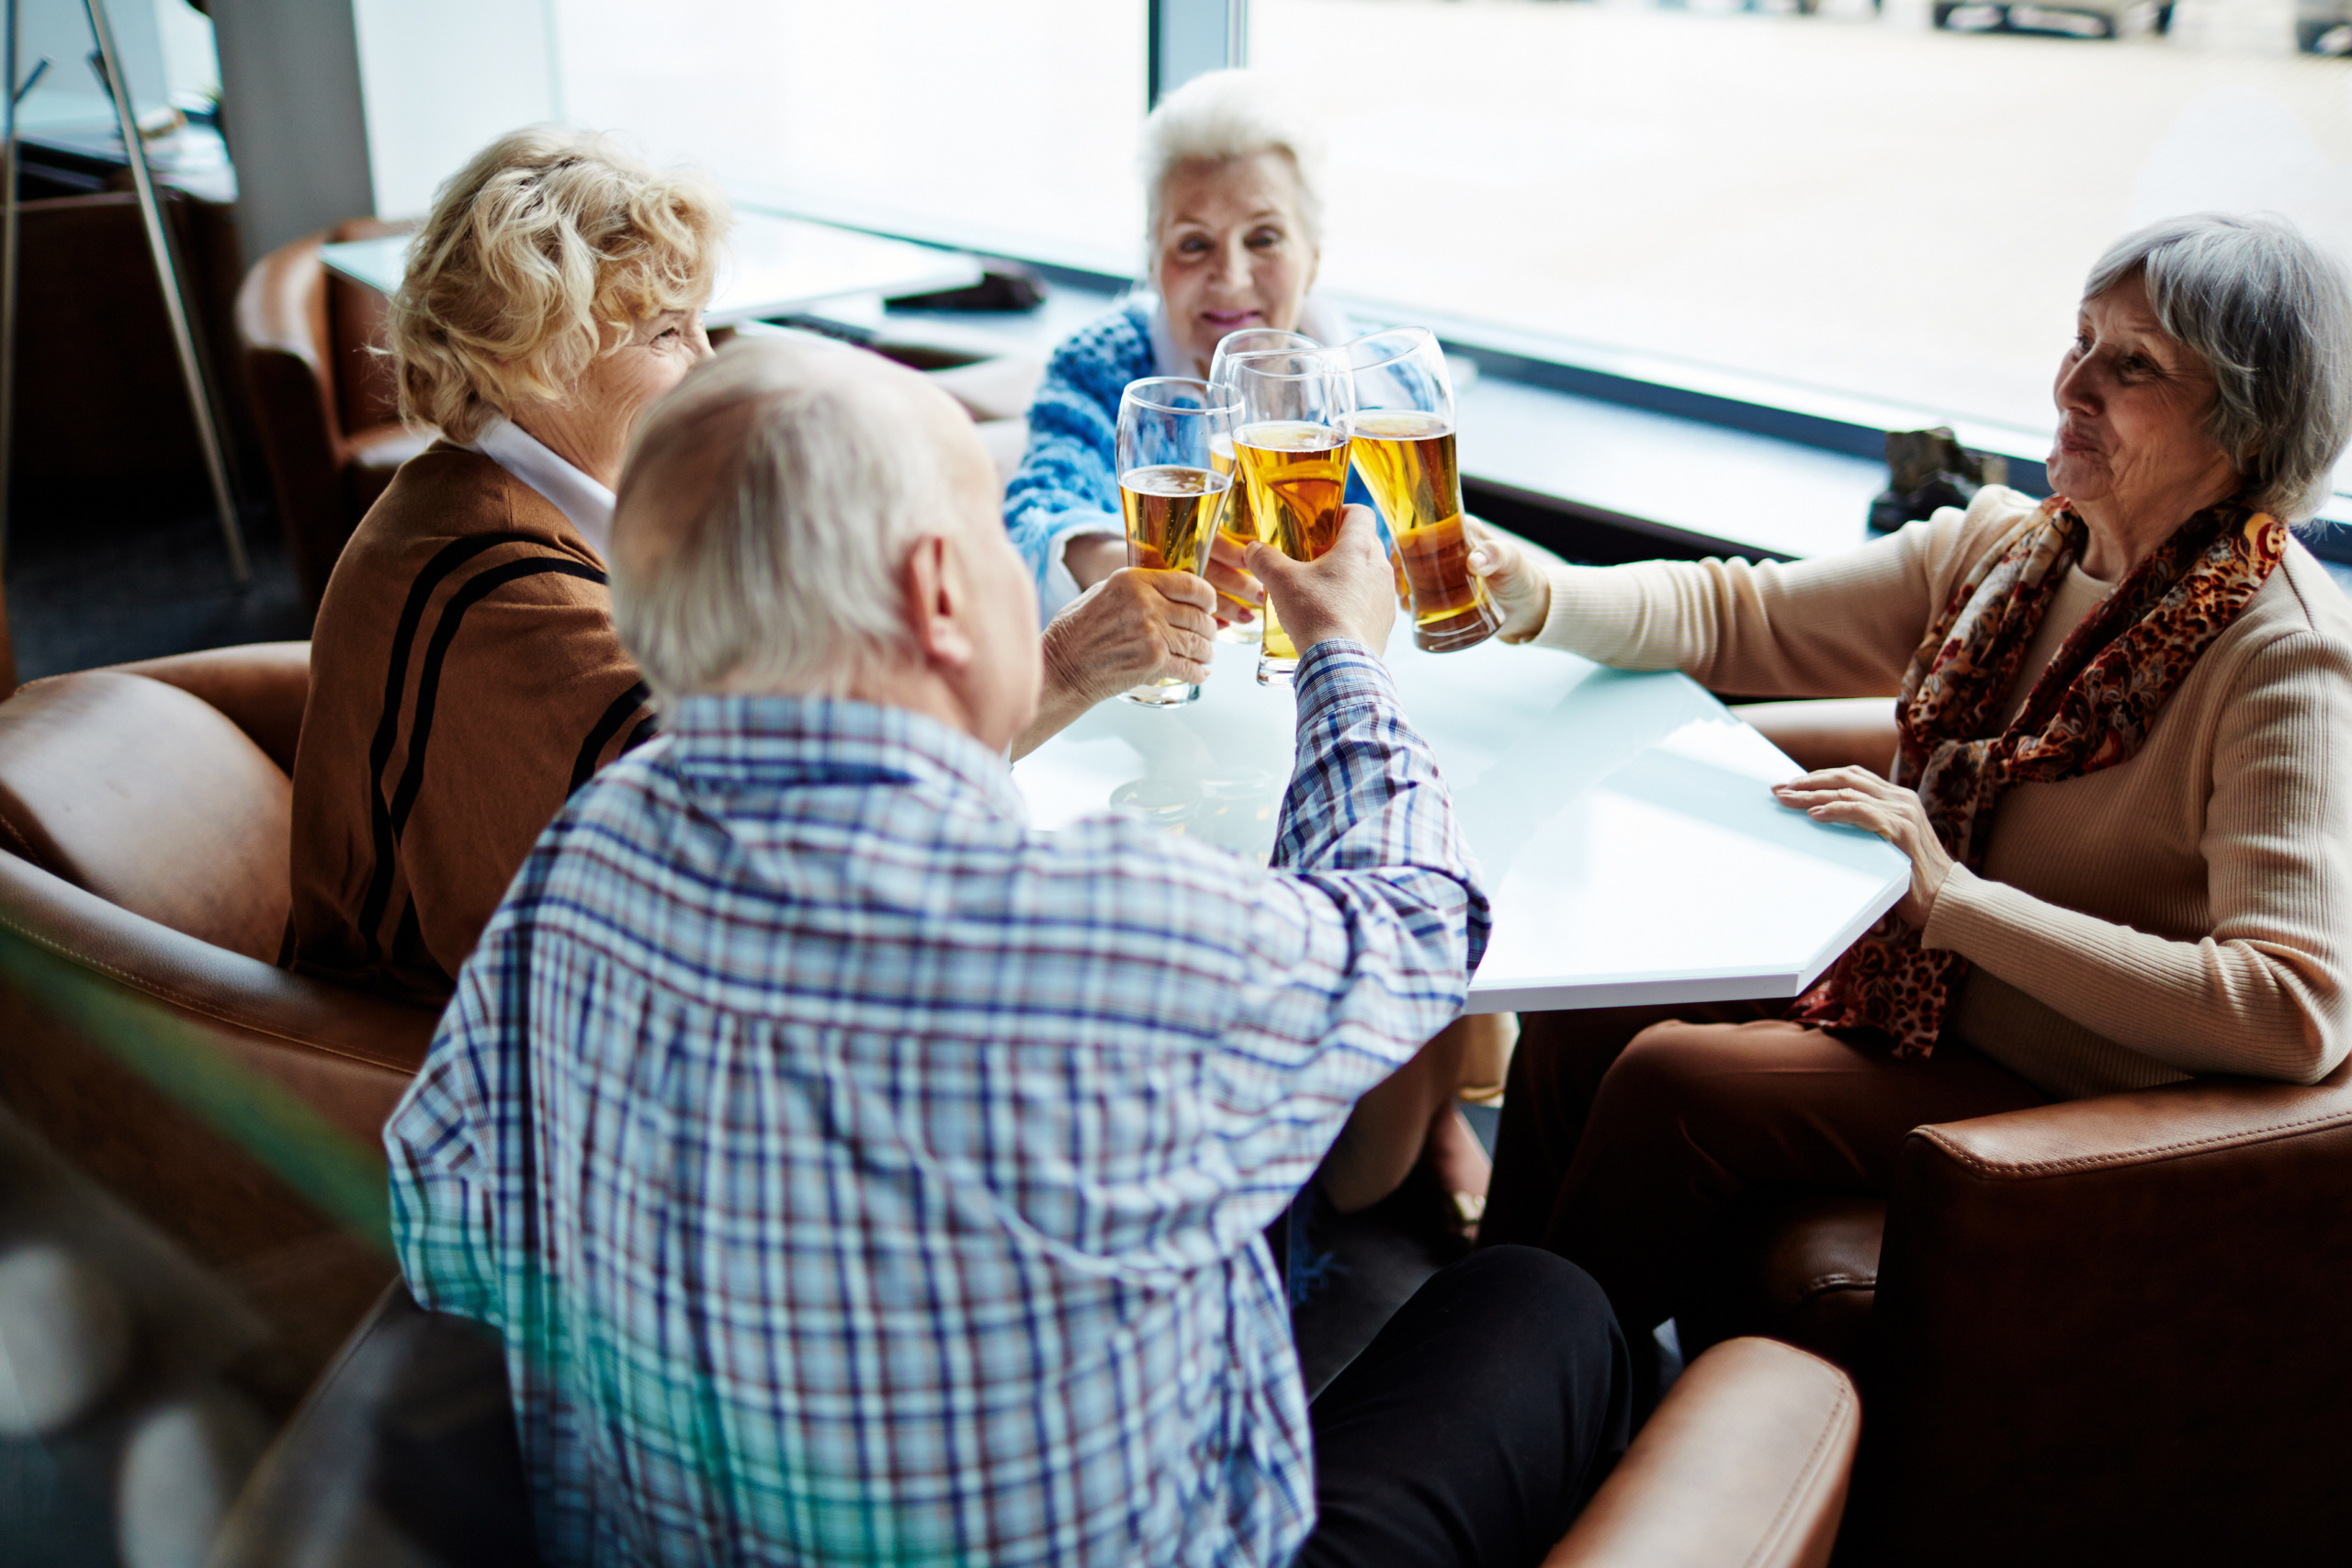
1296 475
1402 441
1239 529
1290 447
1171 494
1172 515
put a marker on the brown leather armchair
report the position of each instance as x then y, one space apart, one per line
325 401
2102 1330
405 1452
144 817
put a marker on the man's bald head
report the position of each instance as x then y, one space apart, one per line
767 507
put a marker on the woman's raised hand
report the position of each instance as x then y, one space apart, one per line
1859 798
1521 591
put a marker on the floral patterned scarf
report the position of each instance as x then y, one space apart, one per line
2091 708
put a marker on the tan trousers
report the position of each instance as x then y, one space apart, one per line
1626 1131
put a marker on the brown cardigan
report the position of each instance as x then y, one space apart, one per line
465 679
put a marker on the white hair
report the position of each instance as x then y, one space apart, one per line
786 575
1218 118
2270 315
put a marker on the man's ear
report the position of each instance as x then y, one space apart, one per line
932 582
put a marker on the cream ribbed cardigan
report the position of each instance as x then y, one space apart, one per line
2182 913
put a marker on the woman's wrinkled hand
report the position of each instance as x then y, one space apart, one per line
1859 798
1135 626
1237 593
1522 593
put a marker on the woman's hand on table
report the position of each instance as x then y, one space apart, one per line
1522 591
1859 798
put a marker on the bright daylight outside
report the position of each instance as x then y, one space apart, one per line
1855 200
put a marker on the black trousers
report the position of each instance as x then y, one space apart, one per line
1476 1425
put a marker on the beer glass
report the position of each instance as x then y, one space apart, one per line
1290 445
1401 430
1237 527
1171 494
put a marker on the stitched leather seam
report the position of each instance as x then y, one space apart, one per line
195 1005
2251 1136
1803 1486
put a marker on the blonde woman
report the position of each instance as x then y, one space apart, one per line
464 673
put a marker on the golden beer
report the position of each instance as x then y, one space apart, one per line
1406 460
1238 530
1297 476
1172 515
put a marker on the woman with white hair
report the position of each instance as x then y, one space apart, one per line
2113 767
1235 231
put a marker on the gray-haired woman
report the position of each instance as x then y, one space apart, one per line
1234 227
2116 767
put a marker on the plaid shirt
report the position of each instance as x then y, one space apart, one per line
858 1174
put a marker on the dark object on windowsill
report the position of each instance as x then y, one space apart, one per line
1005 286
1927 468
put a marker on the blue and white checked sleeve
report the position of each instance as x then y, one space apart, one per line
444 1224
1365 937
1068 483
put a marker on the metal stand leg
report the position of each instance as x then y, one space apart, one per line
201 402
13 94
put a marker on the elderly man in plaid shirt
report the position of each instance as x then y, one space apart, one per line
859 1176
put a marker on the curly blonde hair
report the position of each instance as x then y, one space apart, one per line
538 256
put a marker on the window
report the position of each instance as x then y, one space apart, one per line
1848 200
1006 126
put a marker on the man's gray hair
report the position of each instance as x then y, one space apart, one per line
1221 116
781 497
2271 315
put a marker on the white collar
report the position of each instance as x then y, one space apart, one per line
1323 322
588 504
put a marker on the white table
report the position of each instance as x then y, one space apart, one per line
776 266
1630 848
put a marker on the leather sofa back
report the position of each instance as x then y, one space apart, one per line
141 1013
152 799
366 393
324 398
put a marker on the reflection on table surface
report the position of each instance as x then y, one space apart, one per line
1631 847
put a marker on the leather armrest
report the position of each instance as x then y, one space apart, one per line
2082 1304
2201 1117
265 1007
1837 732
261 687
1744 1464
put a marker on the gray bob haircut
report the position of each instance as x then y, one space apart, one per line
1220 117
2271 316
768 505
